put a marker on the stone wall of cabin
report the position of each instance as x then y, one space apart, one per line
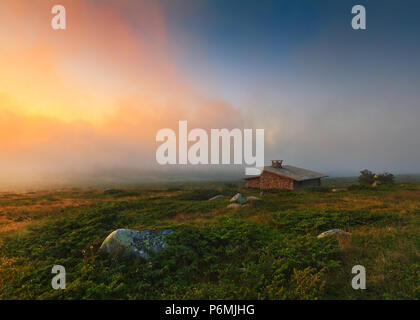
307 183
252 183
270 180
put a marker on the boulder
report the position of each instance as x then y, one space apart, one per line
216 197
331 232
239 198
136 243
252 198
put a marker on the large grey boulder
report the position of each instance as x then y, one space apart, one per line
332 232
238 198
137 243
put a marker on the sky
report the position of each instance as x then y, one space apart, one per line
93 96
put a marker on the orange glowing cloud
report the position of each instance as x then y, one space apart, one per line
95 93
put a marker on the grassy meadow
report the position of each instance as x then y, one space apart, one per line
268 250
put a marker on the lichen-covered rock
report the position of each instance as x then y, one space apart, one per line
239 198
331 232
216 197
138 243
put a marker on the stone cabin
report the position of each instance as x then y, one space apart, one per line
279 176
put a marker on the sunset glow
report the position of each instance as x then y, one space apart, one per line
96 93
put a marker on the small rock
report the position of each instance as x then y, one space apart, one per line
331 232
137 243
239 198
216 197
338 189
234 206
252 198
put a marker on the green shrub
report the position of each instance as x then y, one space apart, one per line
366 178
385 178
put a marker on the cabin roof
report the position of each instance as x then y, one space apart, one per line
295 173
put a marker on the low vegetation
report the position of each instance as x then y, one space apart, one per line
368 178
268 250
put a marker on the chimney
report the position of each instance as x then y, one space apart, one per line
276 163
